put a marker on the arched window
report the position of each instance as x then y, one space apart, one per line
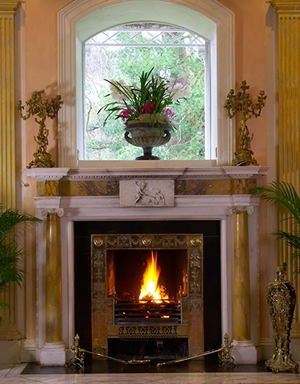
78 22
122 53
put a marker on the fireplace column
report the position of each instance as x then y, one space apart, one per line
244 351
53 351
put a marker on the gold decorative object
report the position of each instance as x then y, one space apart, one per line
146 241
78 358
195 242
241 103
224 353
98 241
42 108
281 298
102 283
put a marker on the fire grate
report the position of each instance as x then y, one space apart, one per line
147 312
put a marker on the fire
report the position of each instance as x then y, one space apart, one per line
150 290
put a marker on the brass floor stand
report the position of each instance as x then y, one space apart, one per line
281 299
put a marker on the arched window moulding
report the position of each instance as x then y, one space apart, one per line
81 19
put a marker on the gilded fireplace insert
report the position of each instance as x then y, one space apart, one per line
116 258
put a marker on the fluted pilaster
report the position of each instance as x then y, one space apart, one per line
289 118
7 142
7 105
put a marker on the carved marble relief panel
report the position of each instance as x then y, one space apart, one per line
147 193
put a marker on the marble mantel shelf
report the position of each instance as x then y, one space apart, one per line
117 173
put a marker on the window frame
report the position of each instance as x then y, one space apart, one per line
78 21
81 125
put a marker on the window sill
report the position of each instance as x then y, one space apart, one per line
149 164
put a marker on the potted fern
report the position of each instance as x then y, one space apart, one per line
285 194
10 254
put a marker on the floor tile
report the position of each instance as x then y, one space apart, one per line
11 374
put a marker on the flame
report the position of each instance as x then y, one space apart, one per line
150 289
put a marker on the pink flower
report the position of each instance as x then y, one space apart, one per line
169 112
126 113
148 108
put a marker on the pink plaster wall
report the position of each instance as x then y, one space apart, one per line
41 60
250 61
41 63
41 73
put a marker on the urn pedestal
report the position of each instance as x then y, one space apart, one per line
147 136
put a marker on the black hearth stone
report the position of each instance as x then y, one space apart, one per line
105 366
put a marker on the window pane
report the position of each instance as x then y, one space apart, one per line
122 54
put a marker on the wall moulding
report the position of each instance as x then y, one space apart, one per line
174 173
9 6
286 5
70 51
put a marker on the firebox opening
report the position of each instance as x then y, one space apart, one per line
84 313
126 268
155 350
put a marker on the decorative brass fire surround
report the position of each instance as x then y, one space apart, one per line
191 327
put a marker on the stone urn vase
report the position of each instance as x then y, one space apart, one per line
281 299
147 134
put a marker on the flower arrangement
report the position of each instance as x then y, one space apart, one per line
146 102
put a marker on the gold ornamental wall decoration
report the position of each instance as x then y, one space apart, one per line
241 103
42 108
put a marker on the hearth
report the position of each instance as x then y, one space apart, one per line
111 261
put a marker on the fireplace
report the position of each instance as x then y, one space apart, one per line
185 322
84 202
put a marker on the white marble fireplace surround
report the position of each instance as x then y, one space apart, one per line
184 207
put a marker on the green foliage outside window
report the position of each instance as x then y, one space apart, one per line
178 64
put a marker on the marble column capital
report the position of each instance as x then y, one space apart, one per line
46 211
239 208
